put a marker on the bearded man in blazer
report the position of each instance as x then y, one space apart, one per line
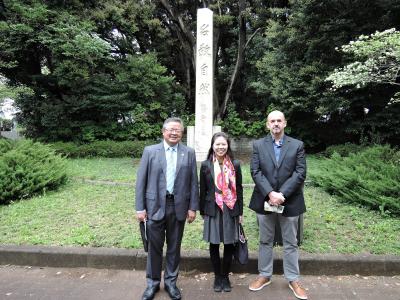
278 168
166 195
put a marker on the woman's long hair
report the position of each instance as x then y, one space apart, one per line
211 150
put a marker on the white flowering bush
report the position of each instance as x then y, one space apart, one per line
377 61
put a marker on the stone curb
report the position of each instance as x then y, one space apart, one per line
122 183
116 183
192 261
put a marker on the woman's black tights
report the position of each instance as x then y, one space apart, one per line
226 261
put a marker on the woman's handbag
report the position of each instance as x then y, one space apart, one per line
241 253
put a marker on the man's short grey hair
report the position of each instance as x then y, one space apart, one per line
173 119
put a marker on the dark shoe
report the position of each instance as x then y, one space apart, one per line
218 284
226 284
150 292
173 292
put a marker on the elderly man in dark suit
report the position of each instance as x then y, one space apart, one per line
278 168
166 195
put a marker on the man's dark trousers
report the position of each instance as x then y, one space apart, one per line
171 229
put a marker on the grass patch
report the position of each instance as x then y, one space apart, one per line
333 227
117 169
81 214
111 169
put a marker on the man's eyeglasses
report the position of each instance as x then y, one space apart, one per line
173 130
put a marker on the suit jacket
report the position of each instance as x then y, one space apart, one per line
286 176
151 185
207 190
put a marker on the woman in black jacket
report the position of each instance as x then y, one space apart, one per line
221 205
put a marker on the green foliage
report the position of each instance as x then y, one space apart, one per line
300 53
375 60
101 149
5 146
141 124
6 125
150 98
101 215
9 91
334 226
343 150
28 168
370 178
251 125
378 60
85 78
144 80
114 69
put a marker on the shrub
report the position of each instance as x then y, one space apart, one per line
28 168
5 145
102 148
342 150
6 125
370 177
252 124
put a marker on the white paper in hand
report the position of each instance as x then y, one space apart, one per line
271 208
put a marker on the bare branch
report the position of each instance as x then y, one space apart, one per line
239 59
251 37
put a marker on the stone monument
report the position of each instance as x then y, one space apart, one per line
199 137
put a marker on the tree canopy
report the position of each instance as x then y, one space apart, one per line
115 69
300 55
377 60
85 85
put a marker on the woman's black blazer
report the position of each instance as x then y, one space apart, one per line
207 190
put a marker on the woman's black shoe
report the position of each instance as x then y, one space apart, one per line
217 284
226 284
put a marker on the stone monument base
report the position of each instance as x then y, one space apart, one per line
200 156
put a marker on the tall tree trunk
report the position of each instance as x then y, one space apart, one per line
216 101
188 45
187 40
239 59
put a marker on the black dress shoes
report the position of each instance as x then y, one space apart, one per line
150 292
226 284
173 292
218 284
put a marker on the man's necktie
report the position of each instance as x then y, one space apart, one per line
170 170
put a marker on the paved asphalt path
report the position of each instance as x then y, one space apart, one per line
18 283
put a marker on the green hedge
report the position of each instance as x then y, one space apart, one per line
102 149
343 149
28 168
5 145
370 177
